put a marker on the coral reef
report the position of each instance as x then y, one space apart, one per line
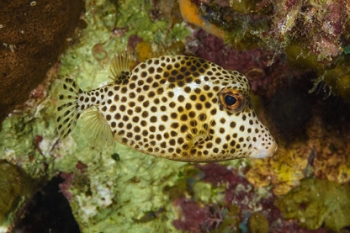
216 198
15 188
320 149
117 189
312 34
314 204
11 187
257 223
32 35
294 116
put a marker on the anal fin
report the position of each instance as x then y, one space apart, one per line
95 128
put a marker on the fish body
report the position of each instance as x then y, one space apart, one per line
175 107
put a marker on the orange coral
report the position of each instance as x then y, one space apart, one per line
144 51
190 14
284 170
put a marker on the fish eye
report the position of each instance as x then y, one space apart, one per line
232 99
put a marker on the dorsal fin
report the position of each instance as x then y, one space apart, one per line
120 65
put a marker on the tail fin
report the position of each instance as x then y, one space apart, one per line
67 110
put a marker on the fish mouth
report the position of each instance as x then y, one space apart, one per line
261 152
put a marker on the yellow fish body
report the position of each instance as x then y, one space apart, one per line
175 107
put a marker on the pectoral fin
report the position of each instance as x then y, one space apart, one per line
96 128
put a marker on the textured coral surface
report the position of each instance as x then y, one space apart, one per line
316 203
32 35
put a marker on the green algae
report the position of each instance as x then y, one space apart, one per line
135 16
10 188
231 220
336 76
338 79
302 57
257 223
317 203
15 189
18 140
245 6
347 49
206 193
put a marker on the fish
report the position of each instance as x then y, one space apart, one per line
176 107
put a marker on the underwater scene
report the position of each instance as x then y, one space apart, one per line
198 116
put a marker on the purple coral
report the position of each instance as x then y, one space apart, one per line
239 194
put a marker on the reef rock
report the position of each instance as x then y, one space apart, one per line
32 35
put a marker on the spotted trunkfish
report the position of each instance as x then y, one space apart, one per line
175 107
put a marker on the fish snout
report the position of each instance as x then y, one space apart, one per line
264 149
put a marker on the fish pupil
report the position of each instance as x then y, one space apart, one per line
230 100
